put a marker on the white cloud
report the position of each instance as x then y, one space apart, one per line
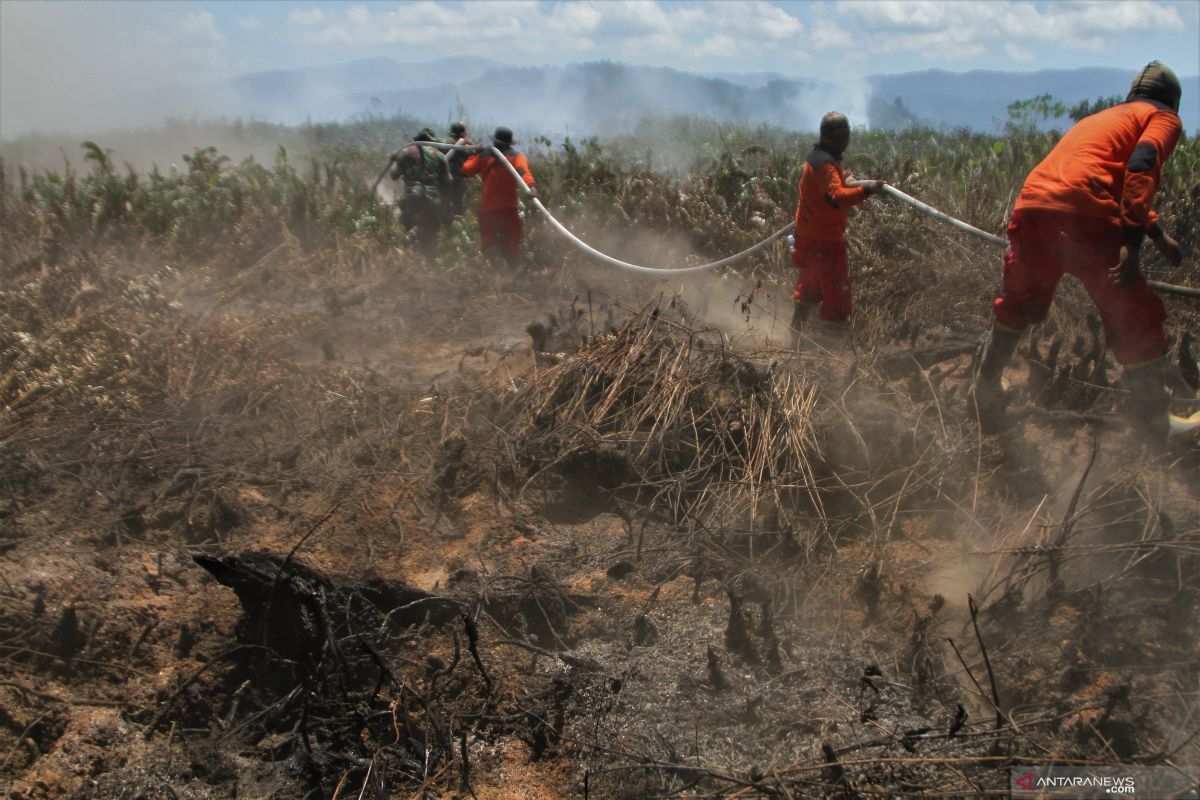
358 15
200 29
628 18
1083 21
964 30
640 30
827 35
249 23
423 23
719 46
1017 53
898 15
195 37
574 19
305 17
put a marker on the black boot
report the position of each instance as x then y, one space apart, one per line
1148 402
987 400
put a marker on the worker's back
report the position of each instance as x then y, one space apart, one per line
825 200
499 187
1085 172
423 170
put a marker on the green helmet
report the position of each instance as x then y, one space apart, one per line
1157 81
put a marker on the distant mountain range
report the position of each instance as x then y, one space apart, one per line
599 97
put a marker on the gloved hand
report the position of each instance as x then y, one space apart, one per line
533 193
1128 267
1170 250
872 187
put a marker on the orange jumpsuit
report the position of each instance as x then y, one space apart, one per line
820 253
1090 195
499 219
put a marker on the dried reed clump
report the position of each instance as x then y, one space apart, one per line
64 336
126 389
677 419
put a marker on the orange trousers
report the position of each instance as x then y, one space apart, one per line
500 231
824 277
1044 245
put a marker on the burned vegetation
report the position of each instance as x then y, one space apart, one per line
297 516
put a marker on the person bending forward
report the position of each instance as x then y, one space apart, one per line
1084 211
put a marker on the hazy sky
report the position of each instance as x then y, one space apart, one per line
55 54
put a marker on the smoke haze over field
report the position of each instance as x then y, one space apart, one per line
605 98
80 68
162 145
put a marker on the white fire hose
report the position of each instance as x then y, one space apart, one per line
616 262
930 211
1178 425
888 189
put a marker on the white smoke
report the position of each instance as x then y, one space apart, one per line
79 67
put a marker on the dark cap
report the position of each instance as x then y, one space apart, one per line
424 135
832 122
502 138
458 128
1156 81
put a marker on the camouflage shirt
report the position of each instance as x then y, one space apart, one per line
423 170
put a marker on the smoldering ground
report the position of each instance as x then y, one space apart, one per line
698 561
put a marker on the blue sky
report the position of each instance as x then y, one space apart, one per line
56 54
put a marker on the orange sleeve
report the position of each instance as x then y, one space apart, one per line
1144 168
474 165
837 193
522 166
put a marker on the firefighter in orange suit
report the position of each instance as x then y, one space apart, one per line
820 235
1085 211
499 218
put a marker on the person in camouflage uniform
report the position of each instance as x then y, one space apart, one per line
426 183
457 195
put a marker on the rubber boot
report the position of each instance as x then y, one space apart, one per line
987 400
801 314
1148 403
